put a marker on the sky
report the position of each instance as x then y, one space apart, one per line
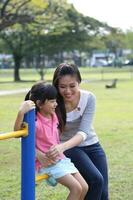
117 13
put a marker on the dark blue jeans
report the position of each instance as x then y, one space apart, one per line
92 164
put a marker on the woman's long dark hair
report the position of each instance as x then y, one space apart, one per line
62 70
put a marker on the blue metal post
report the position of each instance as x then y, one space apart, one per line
28 159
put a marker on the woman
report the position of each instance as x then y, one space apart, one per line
75 111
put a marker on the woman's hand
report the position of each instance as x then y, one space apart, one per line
44 159
55 151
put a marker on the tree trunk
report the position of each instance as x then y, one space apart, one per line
17 61
42 74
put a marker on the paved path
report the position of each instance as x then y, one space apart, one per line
10 92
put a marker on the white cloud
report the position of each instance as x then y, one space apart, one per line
117 13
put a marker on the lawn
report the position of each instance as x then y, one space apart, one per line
114 126
92 74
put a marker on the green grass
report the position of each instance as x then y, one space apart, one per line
114 126
100 73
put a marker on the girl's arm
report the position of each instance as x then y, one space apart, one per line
24 108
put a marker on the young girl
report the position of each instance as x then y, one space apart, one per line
43 97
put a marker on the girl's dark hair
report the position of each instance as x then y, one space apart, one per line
42 92
62 70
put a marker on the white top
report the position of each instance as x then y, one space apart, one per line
79 121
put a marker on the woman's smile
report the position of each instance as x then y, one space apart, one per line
68 87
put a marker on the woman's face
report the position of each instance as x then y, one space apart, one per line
68 88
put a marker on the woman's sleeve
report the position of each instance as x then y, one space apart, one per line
85 126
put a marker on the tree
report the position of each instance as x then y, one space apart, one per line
17 36
71 31
18 40
129 39
19 11
55 28
115 42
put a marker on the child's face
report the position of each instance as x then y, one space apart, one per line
48 107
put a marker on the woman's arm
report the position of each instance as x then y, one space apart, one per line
88 116
44 159
56 150
24 108
83 131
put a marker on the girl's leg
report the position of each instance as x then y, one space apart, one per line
73 185
89 169
83 184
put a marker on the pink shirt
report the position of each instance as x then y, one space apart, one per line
47 134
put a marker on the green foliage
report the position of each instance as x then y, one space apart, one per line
18 11
129 39
115 40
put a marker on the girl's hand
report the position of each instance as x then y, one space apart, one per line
44 159
26 106
55 151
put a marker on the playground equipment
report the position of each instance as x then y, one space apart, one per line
27 156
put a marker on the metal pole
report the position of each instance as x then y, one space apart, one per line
28 159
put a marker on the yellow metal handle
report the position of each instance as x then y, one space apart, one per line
41 177
23 132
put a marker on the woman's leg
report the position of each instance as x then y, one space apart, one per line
83 184
73 185
98 157
80 156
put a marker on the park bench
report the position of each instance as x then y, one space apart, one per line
112 85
